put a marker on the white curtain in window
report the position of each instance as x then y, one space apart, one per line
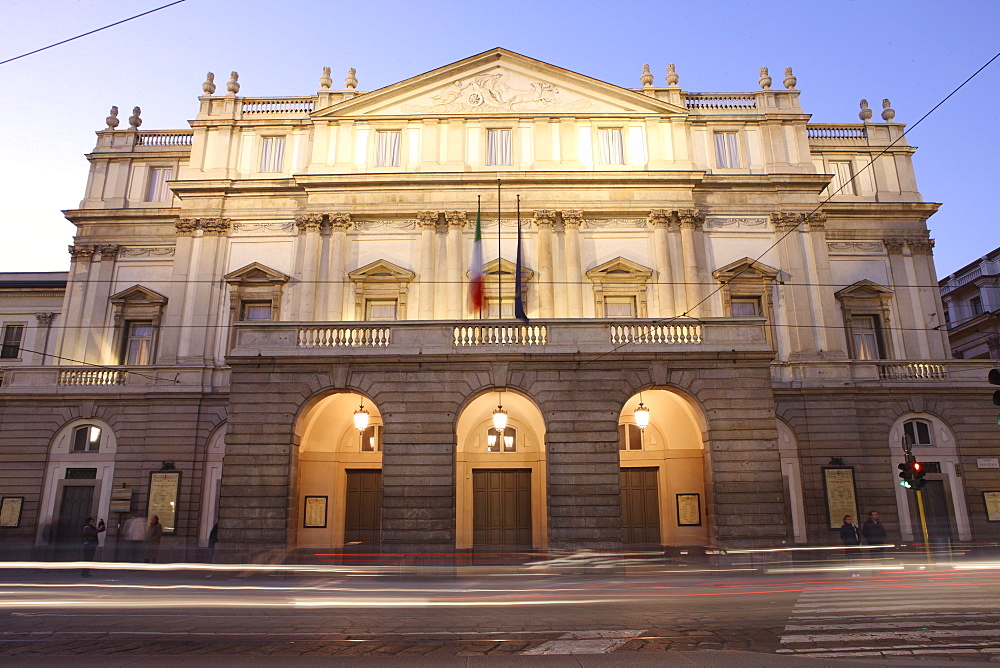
140 341
865 338
498 147
387 144
611 146
507 310
158 191
727 153
841 183
382 310
257 312
272 154
748 307
619 308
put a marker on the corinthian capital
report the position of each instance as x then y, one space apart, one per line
816 221
309 222
894 244
544 218
658 218
105 252
785 221
218 226
186 225
427 220
922 246
340 221
572 218
456 219
690 217
81 252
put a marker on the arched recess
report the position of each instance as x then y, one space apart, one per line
78 480
500 494
791 473
211 483
663 472
943 495
339 474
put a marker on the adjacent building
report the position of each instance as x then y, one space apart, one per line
971 298
731 323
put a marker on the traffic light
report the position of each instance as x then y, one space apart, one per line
906 474
917 477
995 380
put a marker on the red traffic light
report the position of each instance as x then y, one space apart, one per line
917 467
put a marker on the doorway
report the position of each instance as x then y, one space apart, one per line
363 508
501 508
640 507
75 506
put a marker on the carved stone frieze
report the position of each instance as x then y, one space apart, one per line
263 227
494 92
366 225
127 253
751 222
456 219
597 223
854 247
309 222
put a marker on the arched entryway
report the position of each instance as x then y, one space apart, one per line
339 474
662 471
500 500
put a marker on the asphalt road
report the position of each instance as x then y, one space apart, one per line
142 618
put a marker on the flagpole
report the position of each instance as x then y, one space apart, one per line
499 255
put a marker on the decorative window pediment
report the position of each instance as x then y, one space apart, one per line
620 288
380 291
256 273
137 315
255 292
867 309
866 291
748 290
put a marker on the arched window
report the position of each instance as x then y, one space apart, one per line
920 432
87 438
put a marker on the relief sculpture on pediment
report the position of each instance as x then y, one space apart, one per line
494 92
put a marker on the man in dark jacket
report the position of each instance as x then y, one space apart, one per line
874 533
851 537
90 541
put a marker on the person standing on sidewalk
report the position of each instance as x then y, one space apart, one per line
851 537
152 543
874 533
90 542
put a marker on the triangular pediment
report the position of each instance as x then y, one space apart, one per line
864 289
745 270
619 269
382 271
500 82
256 273
138 294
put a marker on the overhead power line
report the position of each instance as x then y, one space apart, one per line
110 25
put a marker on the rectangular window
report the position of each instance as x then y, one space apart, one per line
504 309
867 337
11 348
158 190
841 183
919 432
629 437
505 441
977 305
612 148
256 311
746 306
380 309
387 148
727 153
498 147
138 348
371 438
619 307
87 439
272 154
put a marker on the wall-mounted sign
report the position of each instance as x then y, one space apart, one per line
314 514
838 483
164 487
992 500
121 500
988 463
10 511
689 510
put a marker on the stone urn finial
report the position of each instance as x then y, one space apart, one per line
325 81
351 81
647 77
112 119
790 79
865 114
887 111
765 80
233 87
134 121
672 77
208 87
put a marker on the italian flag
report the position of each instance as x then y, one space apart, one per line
476 269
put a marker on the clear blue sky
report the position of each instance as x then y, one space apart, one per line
912 52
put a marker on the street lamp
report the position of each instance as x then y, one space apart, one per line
499 419
641 415
361 417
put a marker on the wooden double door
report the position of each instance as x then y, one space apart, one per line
501 509
640 507
363 509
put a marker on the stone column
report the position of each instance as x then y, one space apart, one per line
827 336
456 223
426 280
71 339
208 347
42 339
544 220
692 248
793 300
572 221
309 226
921 251
340 223
92 320
560 306
659 220
902 274
323 277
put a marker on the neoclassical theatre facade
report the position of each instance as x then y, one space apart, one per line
732 322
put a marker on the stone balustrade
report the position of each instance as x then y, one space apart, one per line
724 101
853 132
281 105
